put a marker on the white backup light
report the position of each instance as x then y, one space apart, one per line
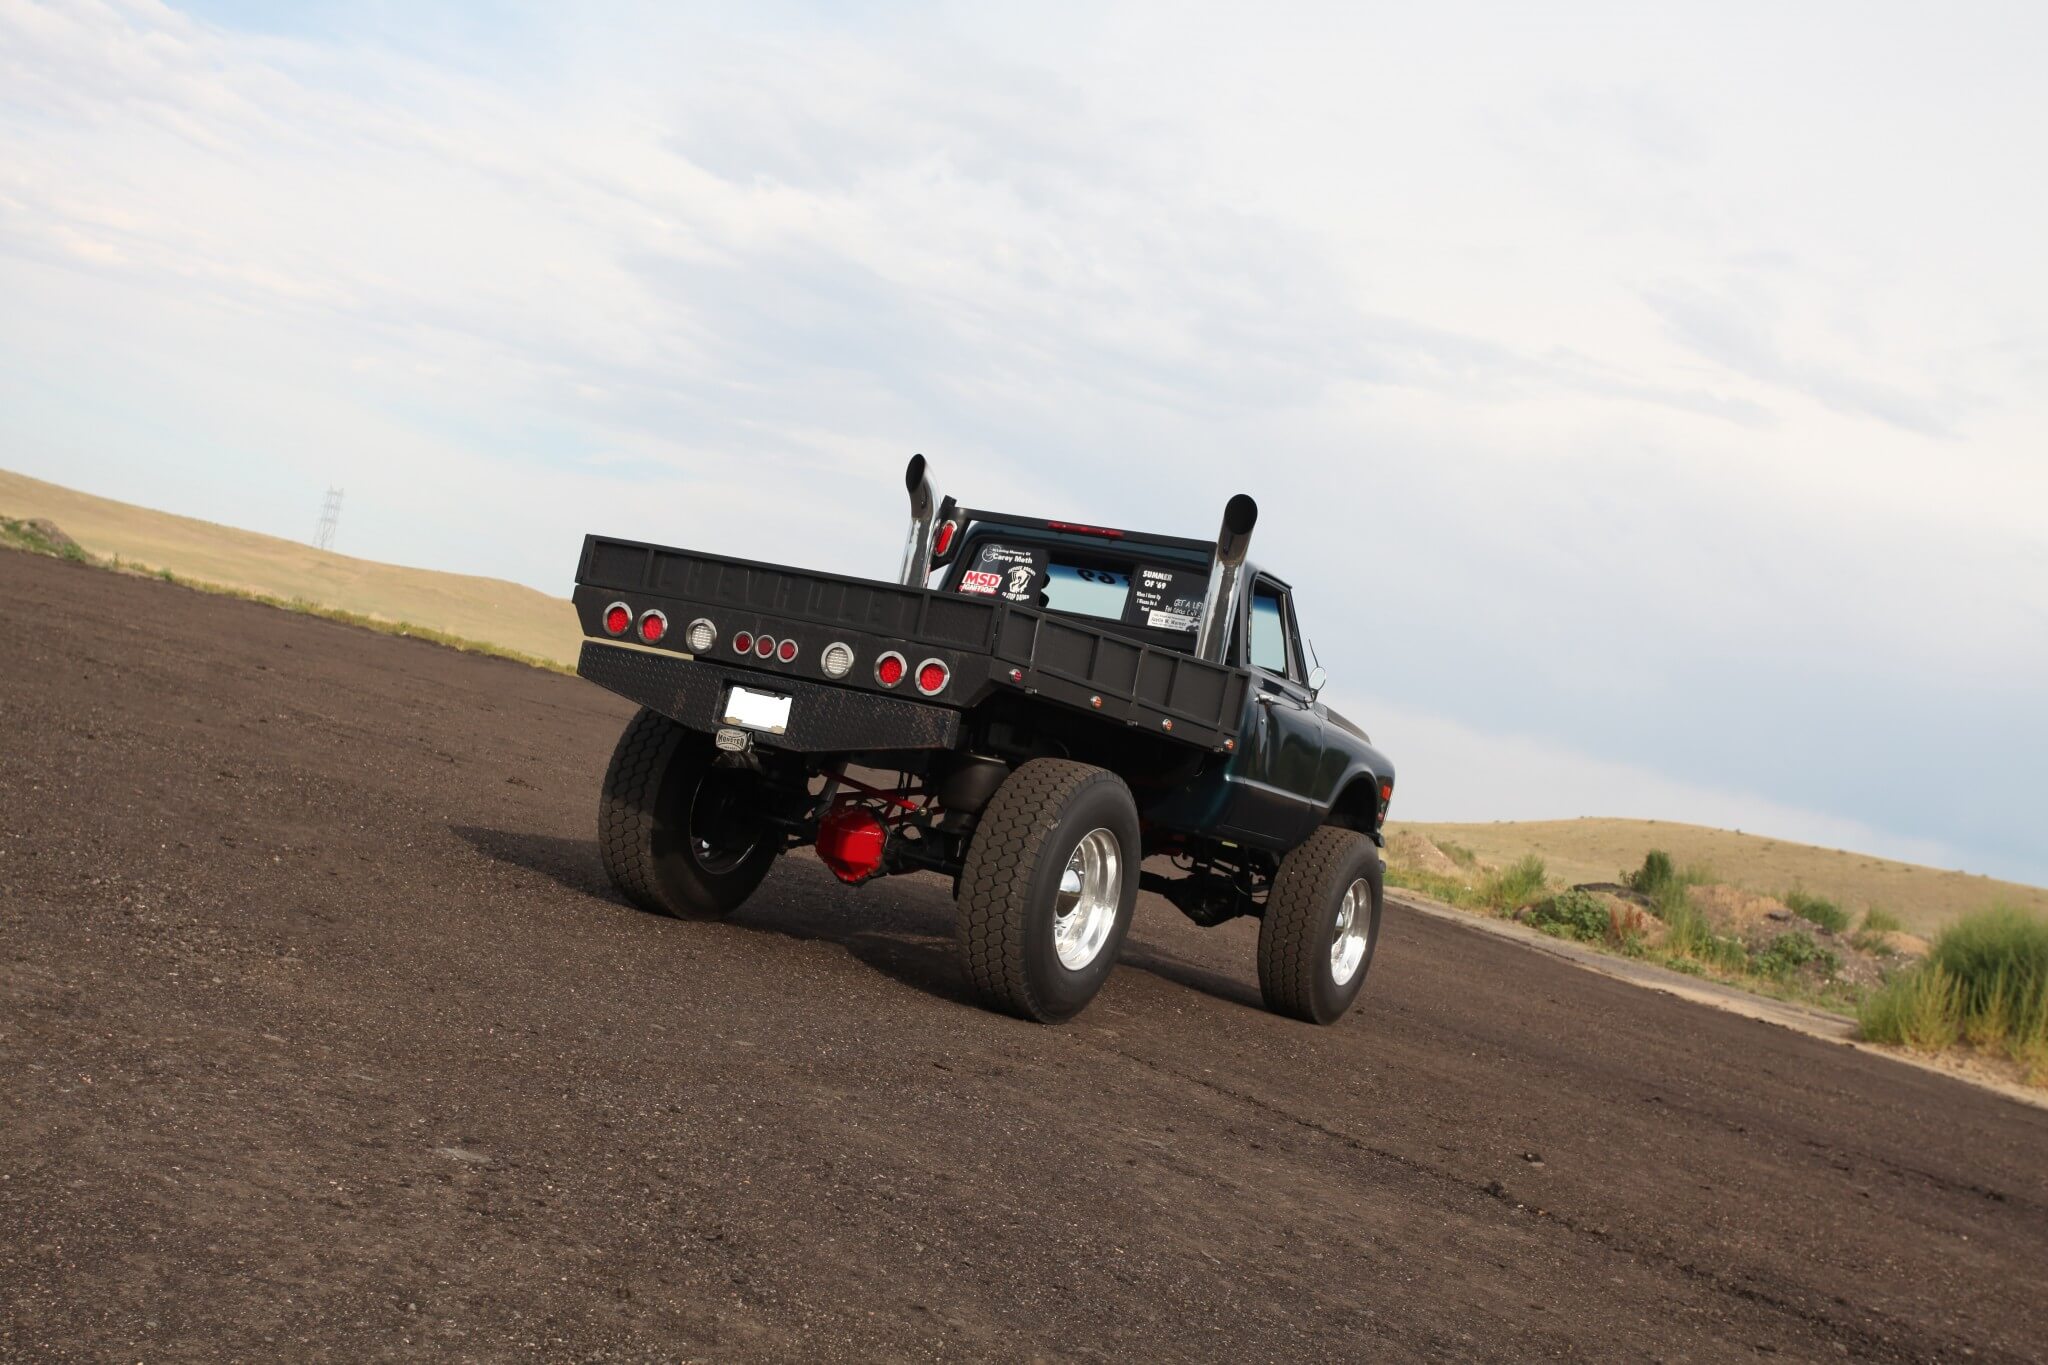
837 660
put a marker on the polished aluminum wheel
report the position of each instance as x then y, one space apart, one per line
1354 932
1091 889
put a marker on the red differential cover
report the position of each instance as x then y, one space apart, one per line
850 842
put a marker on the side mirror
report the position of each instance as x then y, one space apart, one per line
1316 678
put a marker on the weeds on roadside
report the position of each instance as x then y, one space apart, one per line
1915 1009
1500 890
1790 951
1692 937
1510 887
1573 914
1816 910
1985 982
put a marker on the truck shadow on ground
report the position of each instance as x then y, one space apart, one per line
901 927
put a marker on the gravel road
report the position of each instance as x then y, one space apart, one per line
321 1037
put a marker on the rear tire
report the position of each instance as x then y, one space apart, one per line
1048 889
675 829
1325 888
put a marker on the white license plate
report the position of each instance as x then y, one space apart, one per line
756 710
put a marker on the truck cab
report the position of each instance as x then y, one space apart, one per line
1295 762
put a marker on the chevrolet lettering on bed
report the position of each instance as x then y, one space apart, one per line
1034 709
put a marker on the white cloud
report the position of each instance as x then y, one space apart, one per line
1625 379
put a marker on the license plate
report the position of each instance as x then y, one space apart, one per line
756 710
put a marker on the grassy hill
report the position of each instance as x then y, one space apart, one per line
484 609
1595 850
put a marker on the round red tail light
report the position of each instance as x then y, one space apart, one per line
764 645
931 677
617 617
653 626
786 651
743 643
889 669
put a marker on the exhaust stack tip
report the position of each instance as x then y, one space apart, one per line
1240 515
917 551
1226 573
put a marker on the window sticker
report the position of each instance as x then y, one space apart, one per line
1167 598
1015 573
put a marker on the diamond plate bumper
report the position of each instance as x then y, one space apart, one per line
823 718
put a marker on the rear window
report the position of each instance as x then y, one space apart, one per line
1086 592
1160 596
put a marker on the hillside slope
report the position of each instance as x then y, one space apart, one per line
514 617
1596 850
487 609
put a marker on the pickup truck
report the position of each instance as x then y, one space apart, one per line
1036 709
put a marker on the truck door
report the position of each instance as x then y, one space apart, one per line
1275 780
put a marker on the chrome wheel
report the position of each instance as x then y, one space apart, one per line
1353 934
1091 889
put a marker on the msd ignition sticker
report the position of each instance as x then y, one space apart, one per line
1012 571
1168 599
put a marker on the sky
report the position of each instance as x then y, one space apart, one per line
1648 402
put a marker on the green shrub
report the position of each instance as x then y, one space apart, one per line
1654 875
1998 960
1572 914
1880 921
1915 1009
1789 952
1513 886
1817 910
1665 884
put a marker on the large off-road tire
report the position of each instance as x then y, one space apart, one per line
675 829
1048 889
1322 925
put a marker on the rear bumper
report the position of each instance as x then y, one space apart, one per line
822 718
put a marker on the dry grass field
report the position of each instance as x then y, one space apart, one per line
485 609
1596 850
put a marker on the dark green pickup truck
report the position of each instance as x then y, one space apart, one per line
1034 710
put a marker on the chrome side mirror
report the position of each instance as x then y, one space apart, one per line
1317 676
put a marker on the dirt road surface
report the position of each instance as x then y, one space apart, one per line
321 1037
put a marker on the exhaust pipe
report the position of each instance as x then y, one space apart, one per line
1226 576
917 552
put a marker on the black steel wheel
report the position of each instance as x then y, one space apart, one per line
680 835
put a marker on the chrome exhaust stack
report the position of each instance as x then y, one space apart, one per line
917 552
1226 577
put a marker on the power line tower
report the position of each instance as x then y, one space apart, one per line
330 515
